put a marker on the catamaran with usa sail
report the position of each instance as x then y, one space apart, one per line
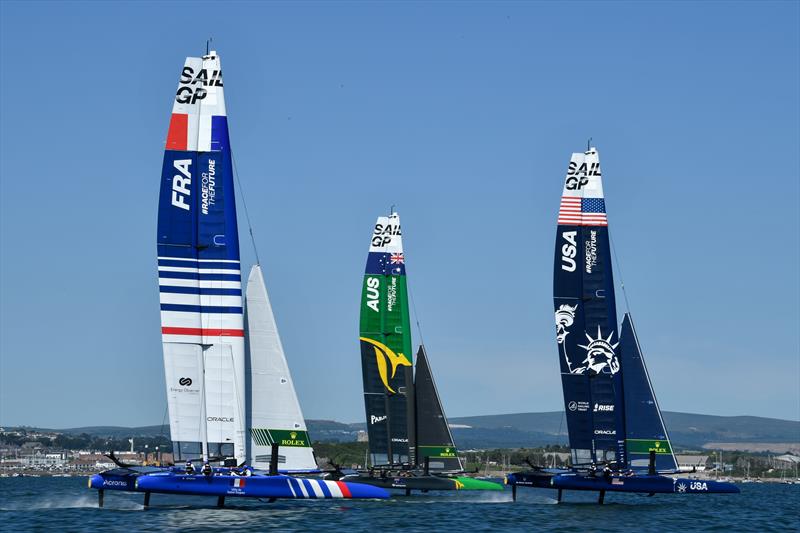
410 443
617 436
230 396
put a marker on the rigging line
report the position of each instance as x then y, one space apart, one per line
416 314
244 204
164 420
619 269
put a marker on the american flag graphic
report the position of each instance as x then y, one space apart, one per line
397 259
577 211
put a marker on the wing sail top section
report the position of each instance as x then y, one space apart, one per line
198 266
385 339
434 439
275 415
585 316
645 430
199 119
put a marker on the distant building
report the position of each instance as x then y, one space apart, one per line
786 461
691 463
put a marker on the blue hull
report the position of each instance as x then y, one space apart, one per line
643 483
164 481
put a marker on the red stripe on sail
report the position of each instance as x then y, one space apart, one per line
177 136
345 490
201 332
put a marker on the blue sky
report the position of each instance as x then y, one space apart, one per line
462 114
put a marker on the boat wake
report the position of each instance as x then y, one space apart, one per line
87 501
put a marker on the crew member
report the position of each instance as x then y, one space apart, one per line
206 471
189 468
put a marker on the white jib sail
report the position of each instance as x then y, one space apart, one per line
275 414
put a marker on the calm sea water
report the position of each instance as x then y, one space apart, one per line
66 504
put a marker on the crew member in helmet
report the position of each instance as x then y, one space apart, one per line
189 468
206 471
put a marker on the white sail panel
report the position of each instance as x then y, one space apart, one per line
584 178
275 414
223 415
200 96
184 375
387 236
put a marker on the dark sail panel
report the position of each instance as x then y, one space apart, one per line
434 439
643 423
385 338
585 316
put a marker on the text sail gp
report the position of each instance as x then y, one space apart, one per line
199 274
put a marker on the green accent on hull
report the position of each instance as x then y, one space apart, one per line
647 445
470 483
444 452
294 438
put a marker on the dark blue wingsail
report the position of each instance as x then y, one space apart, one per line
645 430
586 319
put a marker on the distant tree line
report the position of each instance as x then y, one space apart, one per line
84 441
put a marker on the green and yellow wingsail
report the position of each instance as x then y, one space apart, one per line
405 419
385 337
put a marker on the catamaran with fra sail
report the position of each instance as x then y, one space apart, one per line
617 436
230 395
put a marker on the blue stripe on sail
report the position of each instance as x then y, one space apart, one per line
324 486
199 276
200 308
197 264
219 133
202 291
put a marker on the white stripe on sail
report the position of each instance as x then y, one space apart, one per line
199 260
198 299
179 319
203 283
198 270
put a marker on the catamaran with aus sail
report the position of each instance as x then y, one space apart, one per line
617 436
230 395
410 443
